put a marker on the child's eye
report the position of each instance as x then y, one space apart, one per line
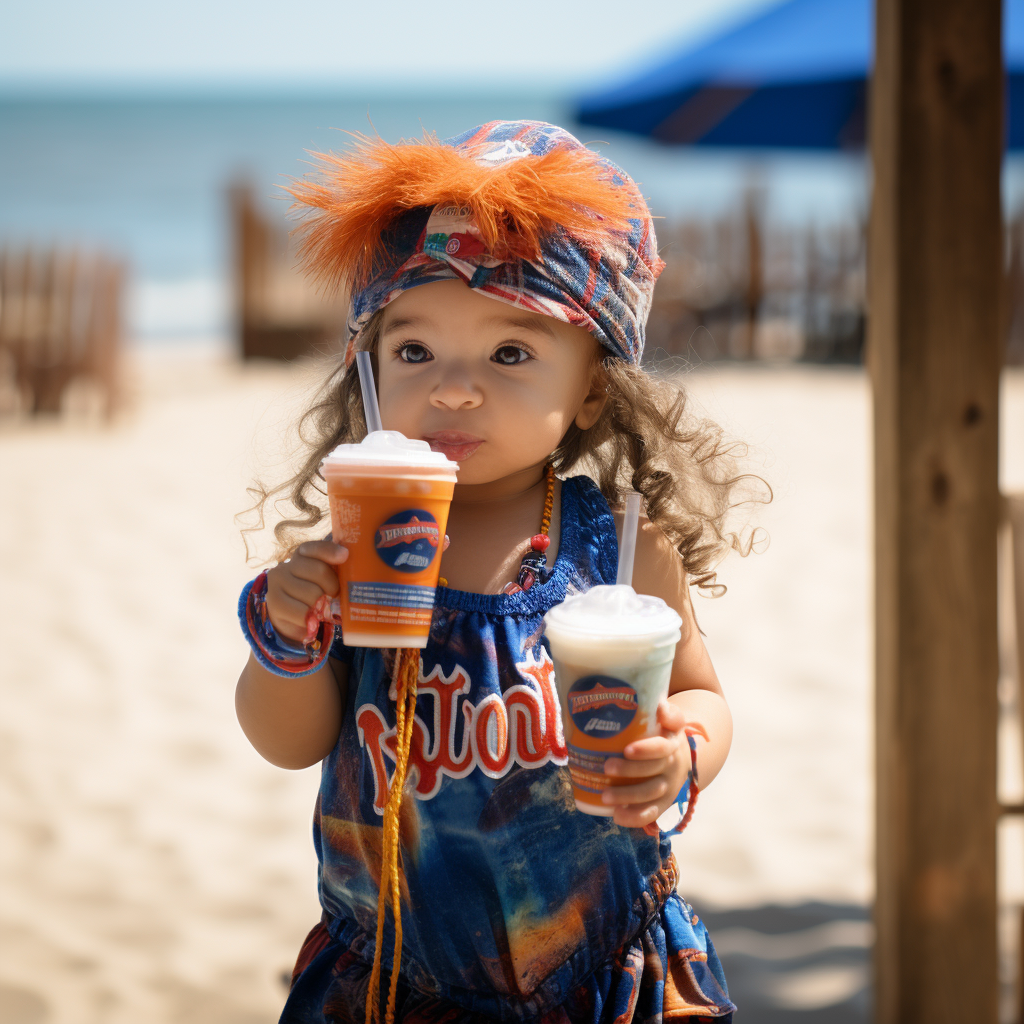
413 352
509 355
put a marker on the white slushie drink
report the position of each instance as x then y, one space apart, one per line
613 651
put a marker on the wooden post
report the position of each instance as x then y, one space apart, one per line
1013 505
753 294
252 247
934 351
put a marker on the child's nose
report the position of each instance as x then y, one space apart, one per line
456 390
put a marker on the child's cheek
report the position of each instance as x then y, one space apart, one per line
529 436
399 406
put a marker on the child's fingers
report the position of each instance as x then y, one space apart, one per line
670 717
447 541
619 768
302 590
652 747
638 816
325 550
288 616
316 571
639 792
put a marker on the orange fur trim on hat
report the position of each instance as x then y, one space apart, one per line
355 196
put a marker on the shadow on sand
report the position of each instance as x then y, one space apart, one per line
803 964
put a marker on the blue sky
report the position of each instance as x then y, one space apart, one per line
372 44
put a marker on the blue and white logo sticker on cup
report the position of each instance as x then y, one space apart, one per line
601 705
408 541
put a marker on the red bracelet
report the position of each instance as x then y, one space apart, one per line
272 651
687 795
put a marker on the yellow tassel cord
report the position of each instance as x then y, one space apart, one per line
406 679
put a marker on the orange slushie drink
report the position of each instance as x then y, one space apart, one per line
613 651
389 498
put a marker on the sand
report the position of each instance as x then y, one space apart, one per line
153 868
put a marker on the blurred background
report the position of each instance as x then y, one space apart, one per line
157 347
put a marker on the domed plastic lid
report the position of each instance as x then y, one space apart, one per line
614 612
389 450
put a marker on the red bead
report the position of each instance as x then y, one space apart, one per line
512 588
540 542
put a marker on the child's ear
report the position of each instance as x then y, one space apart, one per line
597 398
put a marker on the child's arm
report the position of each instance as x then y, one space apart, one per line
695 703
294 723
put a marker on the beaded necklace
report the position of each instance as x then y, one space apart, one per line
534 564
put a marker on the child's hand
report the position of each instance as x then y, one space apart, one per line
660 763
304 585
295 587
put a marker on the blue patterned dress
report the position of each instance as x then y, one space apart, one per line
515 906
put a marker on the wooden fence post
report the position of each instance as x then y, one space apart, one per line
934 348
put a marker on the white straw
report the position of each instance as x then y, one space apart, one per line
370 408
627 549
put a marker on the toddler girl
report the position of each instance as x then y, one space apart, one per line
500 281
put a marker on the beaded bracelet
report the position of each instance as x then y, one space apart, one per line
686 800
274 652
688 794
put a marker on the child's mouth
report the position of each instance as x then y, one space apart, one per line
453 444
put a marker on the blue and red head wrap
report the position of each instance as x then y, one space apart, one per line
519 210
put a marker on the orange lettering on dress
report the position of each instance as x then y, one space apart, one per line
371 728
442 759
527 726
519 725
543 673
495 763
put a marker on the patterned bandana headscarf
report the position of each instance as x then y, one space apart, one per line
603 282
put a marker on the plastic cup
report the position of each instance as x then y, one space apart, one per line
389 498
613 651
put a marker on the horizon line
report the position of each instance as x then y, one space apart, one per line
156 89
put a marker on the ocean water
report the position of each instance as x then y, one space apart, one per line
147 177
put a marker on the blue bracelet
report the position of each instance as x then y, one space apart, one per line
272 651
683 799
684 796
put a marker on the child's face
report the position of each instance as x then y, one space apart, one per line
492 386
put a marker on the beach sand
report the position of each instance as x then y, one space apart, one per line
154 869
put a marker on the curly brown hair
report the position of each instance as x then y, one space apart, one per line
646 439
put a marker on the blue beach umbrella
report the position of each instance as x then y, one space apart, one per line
794 76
